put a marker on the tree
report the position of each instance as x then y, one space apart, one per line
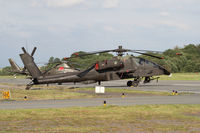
6 71
51 60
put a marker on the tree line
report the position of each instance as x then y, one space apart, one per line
180 60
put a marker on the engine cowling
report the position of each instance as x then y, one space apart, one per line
113 64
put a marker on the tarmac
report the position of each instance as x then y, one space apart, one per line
192 87
195 99
162 85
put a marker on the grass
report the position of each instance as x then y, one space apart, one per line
55 92
59 93
12 77
128 119
181 76
119 90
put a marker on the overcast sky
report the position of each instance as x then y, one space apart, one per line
60 27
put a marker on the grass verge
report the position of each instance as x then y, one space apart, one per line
55 92
43 94
12 77
181 76
128 119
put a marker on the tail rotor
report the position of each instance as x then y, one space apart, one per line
32 54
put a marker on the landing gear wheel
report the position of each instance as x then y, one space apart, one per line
129 83
147 80
135 83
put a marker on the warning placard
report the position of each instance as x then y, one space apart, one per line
6 94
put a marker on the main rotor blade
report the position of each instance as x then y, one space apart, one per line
148 55
152 51
119 51
88 53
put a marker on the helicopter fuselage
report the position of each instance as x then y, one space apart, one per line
113 69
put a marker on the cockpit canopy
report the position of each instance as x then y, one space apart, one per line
144 62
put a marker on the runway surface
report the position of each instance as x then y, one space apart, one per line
162 85
168 86
195 99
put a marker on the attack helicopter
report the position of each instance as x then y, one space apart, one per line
119 67
58 67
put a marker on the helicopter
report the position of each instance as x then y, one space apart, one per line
119 67
58 67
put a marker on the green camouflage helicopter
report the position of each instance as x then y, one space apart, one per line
119 67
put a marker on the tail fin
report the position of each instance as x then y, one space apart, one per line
30 65
14 66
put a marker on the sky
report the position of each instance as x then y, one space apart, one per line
61 27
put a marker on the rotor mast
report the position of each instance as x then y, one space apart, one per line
120 51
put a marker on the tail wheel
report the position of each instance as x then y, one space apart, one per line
129 83
28 87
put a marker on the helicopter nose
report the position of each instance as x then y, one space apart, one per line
166 72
